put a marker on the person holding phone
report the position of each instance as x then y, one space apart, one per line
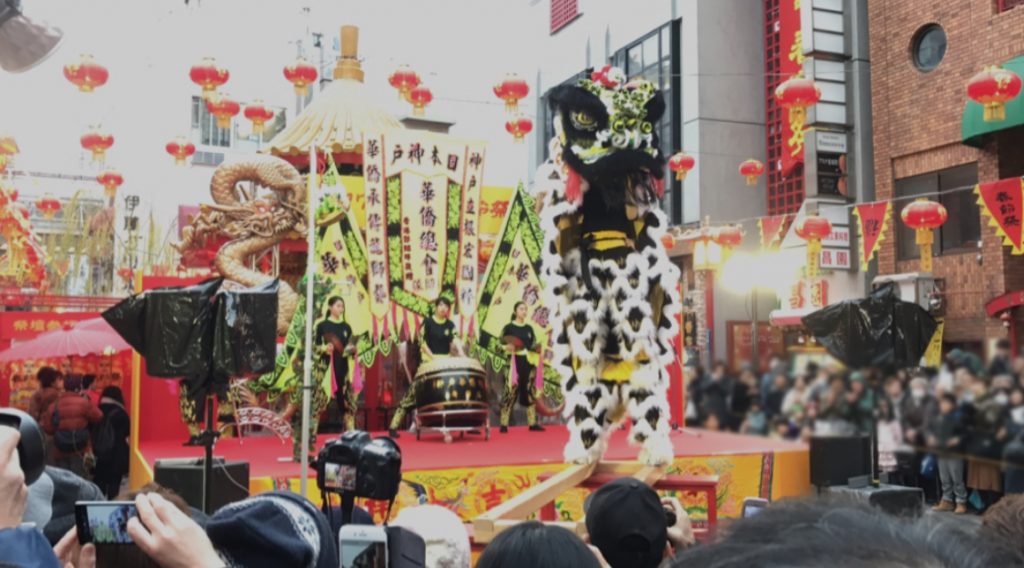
521 345
333 345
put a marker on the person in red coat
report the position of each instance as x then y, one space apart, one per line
68 420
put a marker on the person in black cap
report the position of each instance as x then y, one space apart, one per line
629 524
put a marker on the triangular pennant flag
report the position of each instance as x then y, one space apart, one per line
1003 202
771 229
330 176
872 220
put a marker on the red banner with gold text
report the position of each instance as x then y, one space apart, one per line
1003 203
791 62
872 220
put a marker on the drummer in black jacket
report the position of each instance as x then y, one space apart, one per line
521 344
437 339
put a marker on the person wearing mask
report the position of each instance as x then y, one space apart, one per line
945 438
110 442
520 384
438 338
68 420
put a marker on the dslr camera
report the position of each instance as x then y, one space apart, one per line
358 466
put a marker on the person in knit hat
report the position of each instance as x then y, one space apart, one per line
277 528
443 533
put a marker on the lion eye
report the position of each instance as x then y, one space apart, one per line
583 121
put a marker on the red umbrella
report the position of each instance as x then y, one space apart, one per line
69 342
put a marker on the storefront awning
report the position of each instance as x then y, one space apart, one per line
789 318
973 127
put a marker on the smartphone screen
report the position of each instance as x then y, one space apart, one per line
337 476
364 554
104 522
752 507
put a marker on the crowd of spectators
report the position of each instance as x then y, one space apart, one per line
956 431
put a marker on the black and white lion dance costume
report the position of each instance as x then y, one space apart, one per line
608 281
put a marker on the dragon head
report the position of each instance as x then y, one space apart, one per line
605 128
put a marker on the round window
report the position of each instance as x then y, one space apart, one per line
929 47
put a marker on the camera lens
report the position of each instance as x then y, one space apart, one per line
670 517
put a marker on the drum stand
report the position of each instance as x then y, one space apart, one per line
430 418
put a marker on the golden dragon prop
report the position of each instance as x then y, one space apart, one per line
253 224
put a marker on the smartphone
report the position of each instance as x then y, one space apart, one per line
363 546
104 522
752 506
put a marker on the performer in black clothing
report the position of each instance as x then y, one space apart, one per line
437 339
520 388
332 345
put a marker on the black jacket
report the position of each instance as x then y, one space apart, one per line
946 427
114 465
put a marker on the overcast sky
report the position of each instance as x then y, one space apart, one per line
460 48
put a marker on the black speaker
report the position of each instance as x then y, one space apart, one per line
893 499
185 477
835 459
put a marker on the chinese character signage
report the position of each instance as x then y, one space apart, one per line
422 202
809 294
791 62
872 220
512 276
1003 203
27 325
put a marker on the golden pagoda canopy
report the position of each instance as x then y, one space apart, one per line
339 115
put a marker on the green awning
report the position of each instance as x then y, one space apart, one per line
973 127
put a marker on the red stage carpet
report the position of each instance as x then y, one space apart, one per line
471 475
518 447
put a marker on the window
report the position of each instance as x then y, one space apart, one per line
929 47
655 57
563 12
206 124
963 228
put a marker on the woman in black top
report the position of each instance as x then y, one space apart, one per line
110 442
524 359
333 335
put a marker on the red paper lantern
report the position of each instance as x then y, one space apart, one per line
224 108
751 169
992 88
181 149
86 74
301 74
668 241
98 143
924 216
405 80
258 114
420 97
728 236
207 75
512 90
813 229
48 206
681 163
519 127
796 94
111 181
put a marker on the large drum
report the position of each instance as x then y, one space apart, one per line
451 383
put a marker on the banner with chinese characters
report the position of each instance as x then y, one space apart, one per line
791 62
422 198
27 325
872 221
773 228
513 275
1003 203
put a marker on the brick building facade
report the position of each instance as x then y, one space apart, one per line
917 145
